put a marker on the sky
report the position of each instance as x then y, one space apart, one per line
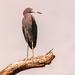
56 29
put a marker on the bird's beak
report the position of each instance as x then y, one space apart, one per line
32 11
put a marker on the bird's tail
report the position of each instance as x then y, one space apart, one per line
30 44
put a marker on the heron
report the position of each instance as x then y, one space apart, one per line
29 28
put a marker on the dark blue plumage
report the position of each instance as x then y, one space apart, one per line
30 31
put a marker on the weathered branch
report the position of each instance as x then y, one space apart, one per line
27 63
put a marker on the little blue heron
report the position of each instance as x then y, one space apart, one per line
29 28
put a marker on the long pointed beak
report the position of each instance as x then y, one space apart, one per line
32 11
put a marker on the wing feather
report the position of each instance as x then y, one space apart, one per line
34 32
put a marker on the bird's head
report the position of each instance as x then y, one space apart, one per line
30 10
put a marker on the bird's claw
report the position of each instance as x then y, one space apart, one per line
26 58
32 57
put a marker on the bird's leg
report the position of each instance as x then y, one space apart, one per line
27 49
32 50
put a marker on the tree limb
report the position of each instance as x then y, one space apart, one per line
27 63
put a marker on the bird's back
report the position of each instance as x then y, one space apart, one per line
30 31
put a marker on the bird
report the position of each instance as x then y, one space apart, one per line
29 28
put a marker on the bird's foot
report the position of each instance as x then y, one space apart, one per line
26 58
32 56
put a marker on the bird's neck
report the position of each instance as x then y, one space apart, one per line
27 16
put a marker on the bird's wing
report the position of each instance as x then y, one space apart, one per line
34 26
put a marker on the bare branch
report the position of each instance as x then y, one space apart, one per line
27 63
